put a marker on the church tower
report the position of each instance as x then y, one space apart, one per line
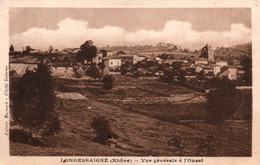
210 53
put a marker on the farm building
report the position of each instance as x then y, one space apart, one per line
111 62
132 59
230 73
106 53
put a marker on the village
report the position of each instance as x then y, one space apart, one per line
195 67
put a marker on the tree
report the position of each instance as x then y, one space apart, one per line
51 49
124 68
247 66
108 82
222 102
11 49
87 51
175 47
181 77
33 103
28 49
168 75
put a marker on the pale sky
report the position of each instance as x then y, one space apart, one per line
70 27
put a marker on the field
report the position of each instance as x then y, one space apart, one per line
144 116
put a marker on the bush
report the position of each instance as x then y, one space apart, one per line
33 103
102 129
94 71
168 76
108 82
124 68
181 77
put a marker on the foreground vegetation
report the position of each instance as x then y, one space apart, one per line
103 126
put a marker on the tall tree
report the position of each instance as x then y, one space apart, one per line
11 49
87 51
222 102
33 103
247 66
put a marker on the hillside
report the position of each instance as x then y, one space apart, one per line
236 51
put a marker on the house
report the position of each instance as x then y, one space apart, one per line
120 53
140 58
192 68
99 54
131 59
185 66
221 63
109 53
216 68
106 53
158 59
230 73
111 62
208 69
97 59
126 58
201 60
198 68
167 61
149 58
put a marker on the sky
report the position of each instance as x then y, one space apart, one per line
70 27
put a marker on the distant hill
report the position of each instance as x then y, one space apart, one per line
236 51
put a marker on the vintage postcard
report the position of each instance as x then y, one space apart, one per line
129 82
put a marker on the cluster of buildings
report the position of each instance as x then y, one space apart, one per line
204 65
209 67
115 60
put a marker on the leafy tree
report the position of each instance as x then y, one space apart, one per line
247 66
108 82
87 51
101 66
222 102
28 49
33 103
11 49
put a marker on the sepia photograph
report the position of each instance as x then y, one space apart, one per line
130 82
